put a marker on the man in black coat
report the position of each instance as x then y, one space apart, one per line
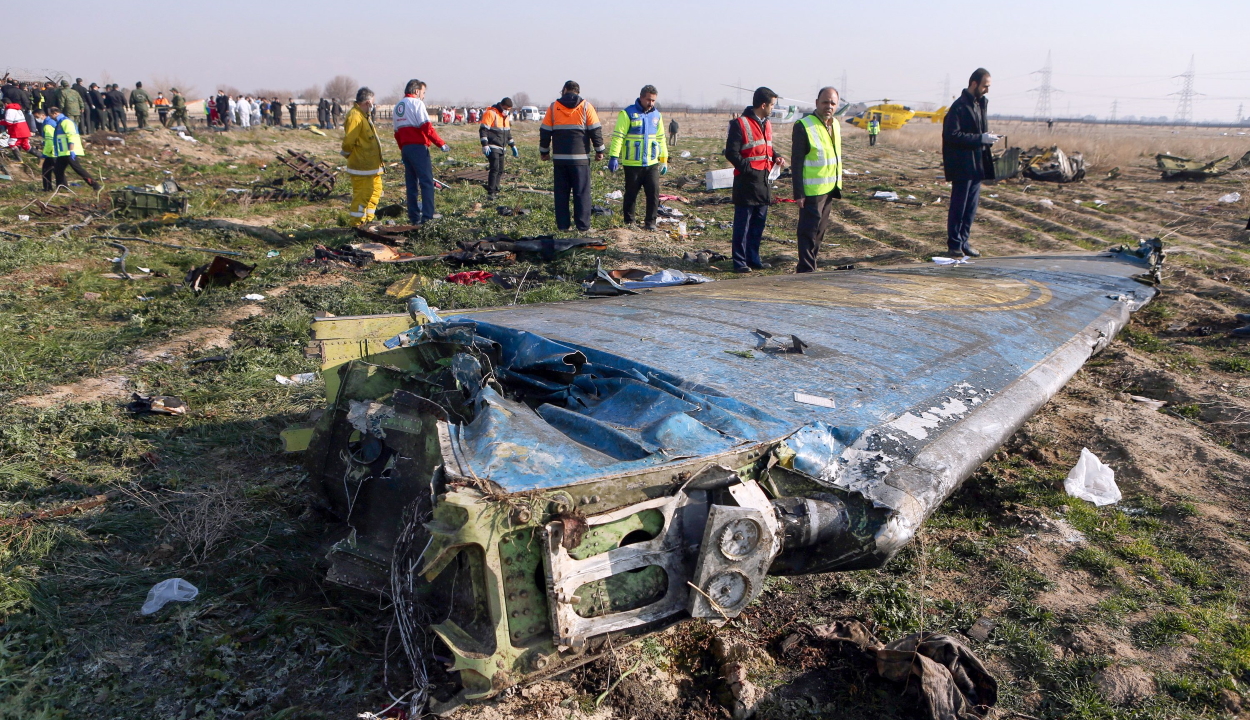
95 101
291 108
223 109
116 101
752 190
966 157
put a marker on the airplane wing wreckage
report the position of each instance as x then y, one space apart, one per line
529 483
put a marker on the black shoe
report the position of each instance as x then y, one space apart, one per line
972 252
1241 332
1242 317
649 227
762 266
743 270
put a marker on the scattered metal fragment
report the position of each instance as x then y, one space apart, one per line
319 175
77 507
1053 165
156 405
220 271
1179 168
133 202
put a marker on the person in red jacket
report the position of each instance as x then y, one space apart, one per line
414 133
14 123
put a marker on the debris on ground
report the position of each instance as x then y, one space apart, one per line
1091 480
666 278
220 271
405 287
1180 168
77 507
703 257
318 174
150 201
1232 197
296 379
951 681
255 297
156 405
1052 165
470 277
886 195
167 591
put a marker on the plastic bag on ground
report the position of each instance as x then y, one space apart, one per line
167 591
1091 480
1232 197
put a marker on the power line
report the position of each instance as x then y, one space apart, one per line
1042 111
1185 105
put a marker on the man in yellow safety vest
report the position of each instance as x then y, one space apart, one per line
816 156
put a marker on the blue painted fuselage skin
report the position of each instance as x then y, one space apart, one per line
665 374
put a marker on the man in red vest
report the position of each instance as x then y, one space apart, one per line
750 148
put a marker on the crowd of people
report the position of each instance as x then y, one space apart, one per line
569 134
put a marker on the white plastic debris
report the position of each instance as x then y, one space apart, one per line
146 270
187 137
886 195
23 218
1100 203
685 153
1092 480
950 261
1149 402
993 195
614 195
167 591
253 296
1046 202
1232 197
296 379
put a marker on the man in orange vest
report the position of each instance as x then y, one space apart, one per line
749 148
495 132
565 138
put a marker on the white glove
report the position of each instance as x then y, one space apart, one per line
486 150
445 148
988 138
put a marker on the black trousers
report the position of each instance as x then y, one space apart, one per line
813 222
647 178
572 180
872 140
66 161
164 117
47 171
495 161
965 195
293 123
97 119
119 118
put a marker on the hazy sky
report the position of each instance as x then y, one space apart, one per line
1104 50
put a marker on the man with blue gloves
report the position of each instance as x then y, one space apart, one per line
67 146
495 132
639 144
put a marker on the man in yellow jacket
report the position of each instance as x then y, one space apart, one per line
363 151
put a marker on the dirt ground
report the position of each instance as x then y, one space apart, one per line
1136 610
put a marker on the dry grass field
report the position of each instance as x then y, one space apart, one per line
1136 610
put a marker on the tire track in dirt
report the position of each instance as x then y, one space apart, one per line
1034 239
1044 225
869 223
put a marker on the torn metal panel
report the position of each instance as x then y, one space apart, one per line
582 472
1179 168
1052 165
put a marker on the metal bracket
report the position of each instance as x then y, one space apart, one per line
739 544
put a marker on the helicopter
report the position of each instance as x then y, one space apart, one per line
892 116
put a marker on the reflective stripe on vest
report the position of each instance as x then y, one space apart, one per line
822 166
756 150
